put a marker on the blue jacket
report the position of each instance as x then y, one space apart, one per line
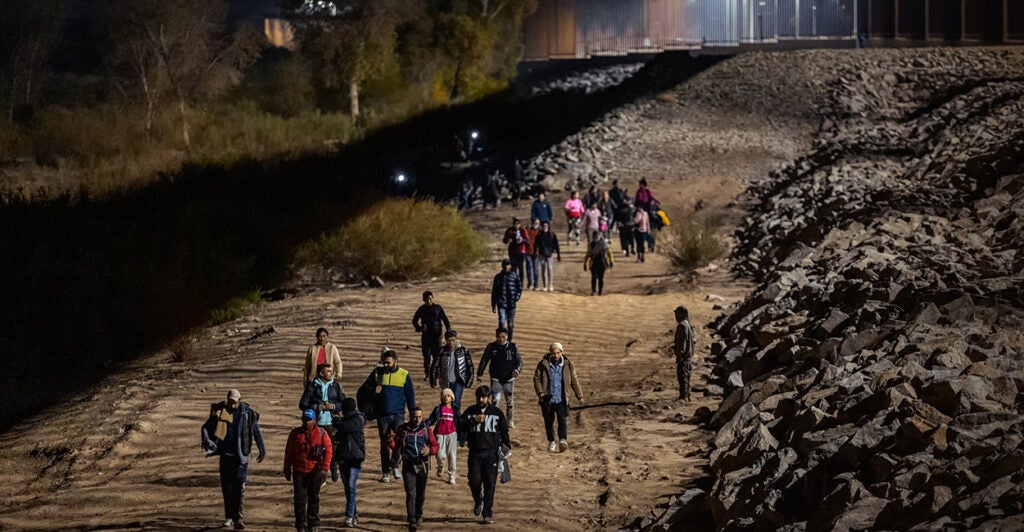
541 210
397 393
506 290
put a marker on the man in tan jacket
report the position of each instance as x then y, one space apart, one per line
554 377
322 352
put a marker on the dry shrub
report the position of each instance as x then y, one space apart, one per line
236 307
693 241
399 239
183 348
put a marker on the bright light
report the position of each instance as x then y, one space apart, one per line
474 135
400 178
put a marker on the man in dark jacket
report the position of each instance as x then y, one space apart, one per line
391 390
683 349
306 459
506 289
229 433
350 446
541 209
506 365
324 396
483 426
416 442
546 247
453 368
427 321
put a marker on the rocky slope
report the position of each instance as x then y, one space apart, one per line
873 378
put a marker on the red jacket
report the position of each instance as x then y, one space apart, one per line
297 454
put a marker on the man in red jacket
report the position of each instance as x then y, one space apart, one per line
307 459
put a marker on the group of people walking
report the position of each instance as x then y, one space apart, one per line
329 444
533 249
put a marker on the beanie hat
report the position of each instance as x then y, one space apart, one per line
348 405
447 392
309 413
555 345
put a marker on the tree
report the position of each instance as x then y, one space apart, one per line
29 30
180 47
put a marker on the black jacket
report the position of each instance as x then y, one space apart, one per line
547 245
439 367
350 441
486 436
312 397
504 359
506 290
428 320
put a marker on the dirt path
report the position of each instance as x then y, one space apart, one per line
126 456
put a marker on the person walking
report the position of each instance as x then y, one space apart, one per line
598 259
608 208
641 228
322 352
443 419
229 432
518 241
350 451
485 429
541 210
592 222
532 262
389 390
624 219
646 201
307 456
547 249
683 349
324 396
506 289
428 320
618 195
416 442
573 215
491 190
453 368
505 366
554 377
515 184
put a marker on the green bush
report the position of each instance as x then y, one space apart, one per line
235 308
398 239
693 242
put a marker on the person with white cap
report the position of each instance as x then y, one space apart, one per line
307 458
229 433
554 377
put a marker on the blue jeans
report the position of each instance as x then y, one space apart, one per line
349 475
457 388
389 422
507 317
532 271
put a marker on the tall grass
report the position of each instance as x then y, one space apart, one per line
399 239
693 241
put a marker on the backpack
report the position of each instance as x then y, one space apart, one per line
599 258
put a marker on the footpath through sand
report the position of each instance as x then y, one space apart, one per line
126 455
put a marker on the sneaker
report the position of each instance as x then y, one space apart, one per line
385 478
511 424
397 473
228 523
239 525
478 508
335 475
553 447
487 521
562 446
440 471
451 478
350 522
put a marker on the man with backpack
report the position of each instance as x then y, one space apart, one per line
598 259
427 321
307 457
384 397
229 432
416 442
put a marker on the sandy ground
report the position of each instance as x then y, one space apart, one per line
126 455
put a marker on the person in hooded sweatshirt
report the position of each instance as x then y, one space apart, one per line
324 396
598 259
485 429
351 451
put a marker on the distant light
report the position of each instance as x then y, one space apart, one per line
400 178
474 135
762 4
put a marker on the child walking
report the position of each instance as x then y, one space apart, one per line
443 420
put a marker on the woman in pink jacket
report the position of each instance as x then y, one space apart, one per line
573 215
